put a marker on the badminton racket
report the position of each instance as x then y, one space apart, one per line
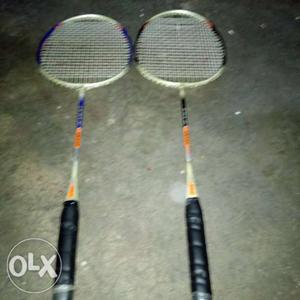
182 49
80 53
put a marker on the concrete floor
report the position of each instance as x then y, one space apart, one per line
132 230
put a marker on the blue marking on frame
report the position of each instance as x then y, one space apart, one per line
127 36
80 111
46 36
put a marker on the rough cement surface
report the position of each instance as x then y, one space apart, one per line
245 136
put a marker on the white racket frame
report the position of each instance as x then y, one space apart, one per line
87 86
179 85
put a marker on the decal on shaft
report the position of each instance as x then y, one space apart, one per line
71 192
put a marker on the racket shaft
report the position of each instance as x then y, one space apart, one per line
200 282
67 249
67 242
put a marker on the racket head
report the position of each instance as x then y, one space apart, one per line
85 52
180 49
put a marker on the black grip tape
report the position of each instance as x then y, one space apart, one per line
67 244
200 282
63 295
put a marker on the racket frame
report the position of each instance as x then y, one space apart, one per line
179 85
85 86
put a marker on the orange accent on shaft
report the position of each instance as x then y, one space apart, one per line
192 189
77 138
71 191
186 137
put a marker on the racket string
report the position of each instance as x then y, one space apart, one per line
180 49
85 51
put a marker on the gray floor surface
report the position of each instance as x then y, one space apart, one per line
132 230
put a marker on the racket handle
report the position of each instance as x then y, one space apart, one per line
200 282
63 289
61 294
